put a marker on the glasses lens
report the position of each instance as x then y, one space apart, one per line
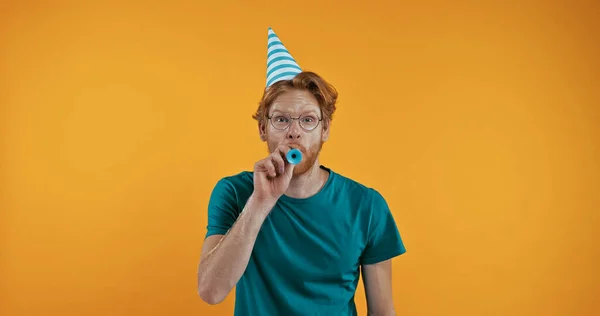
280 120
309 121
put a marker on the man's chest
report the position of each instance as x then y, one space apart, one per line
324 244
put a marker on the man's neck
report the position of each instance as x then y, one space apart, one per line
307 184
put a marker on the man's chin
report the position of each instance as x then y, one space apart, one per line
305 166
300 170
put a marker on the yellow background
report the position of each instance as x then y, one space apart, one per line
478 123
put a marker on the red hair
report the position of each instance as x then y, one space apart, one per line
324 92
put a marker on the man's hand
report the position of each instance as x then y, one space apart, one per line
272 175
224 258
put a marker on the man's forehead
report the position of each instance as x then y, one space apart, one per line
295 107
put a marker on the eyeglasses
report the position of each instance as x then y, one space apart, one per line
282 121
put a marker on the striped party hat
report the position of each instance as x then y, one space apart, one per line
280 63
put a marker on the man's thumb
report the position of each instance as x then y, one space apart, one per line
289 168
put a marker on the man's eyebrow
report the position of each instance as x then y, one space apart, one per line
303 110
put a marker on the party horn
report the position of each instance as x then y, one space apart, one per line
294 156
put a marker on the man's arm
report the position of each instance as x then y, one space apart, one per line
383 244
377 281
224 258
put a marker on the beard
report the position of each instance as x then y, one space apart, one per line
309 156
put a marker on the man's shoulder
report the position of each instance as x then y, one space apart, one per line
243 180
355 188
231 192
242 177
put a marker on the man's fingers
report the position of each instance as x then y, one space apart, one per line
270 168
282 150
289 168
266 166
278 162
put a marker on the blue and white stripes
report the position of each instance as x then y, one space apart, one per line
280 63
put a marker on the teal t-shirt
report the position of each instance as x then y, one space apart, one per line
308 253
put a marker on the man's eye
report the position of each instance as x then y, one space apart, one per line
281 119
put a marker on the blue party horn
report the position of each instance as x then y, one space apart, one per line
294 156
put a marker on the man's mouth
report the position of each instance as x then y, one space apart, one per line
297 146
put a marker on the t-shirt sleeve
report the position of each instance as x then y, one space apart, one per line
383 237
222 208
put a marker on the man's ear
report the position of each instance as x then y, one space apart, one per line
262 131
326 129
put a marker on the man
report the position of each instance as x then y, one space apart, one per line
293 239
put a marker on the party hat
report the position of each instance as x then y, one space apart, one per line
280 63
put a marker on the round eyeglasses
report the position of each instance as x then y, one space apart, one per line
282 121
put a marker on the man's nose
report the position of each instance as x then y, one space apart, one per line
294 131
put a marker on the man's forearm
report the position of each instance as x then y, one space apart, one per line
225 264
388 313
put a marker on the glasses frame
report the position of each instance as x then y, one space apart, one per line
292 122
